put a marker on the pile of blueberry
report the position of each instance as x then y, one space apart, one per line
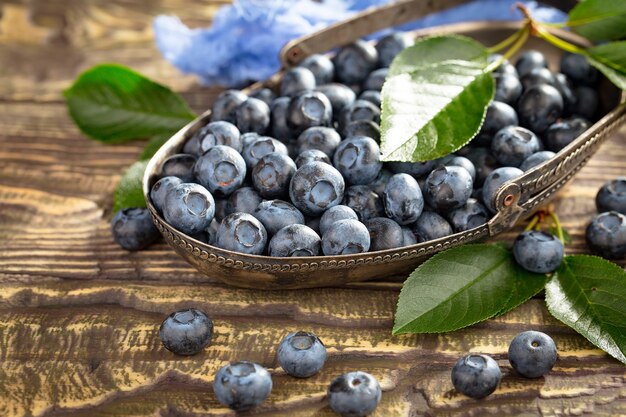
297 171
244 385
606 234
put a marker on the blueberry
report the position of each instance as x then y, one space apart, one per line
538 252
564 85
384 233
335 214
532 354
505 67
296 80
325 139
379 184
221 208
463 162
313 223
363 128
403 199
535 159
219 133
186 332
189 208
578 69
606 235
315 187
499 115
494 181
354 394
448 188
321 66
279 128
272 174
345 237
179 165
538 76
508 88
612 196
276 214
587 102
339 95
416 169
312 155
365 202
529 60
372 96
243 200
263 94
192 146
133 229
359 110
376 79
253 115
562 133
513 144
539 107
409 237
484 163
301 354
221 170
241 232
354 62
391 45
295 240
431 226
259 147
242 385
476 376
309 109
358 160
225 105
248 138
160 189
468 216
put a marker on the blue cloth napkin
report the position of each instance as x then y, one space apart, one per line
244 41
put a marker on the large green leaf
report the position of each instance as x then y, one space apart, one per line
610 59
462 286
599 20
589 294
129 193
112 103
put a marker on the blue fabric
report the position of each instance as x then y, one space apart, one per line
243 43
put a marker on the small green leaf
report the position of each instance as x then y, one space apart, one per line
610 59
154 145
129 191
588 294
438 106
463 286
599 20
112 103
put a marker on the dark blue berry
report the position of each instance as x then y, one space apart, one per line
315 187
391 45
301 354
225 106
308 109
447 188
359 110
242 385
535 159
362 128
431 226
530 60
372 96
345 237
538 76
295 240
279 128
578 69
358 160
186 332
565 87
461 161
243 200
296 80
189 208
272 174
499 115
612 196
365 202
539 107
263 94
321 66
587 102
379 184
312 155
562 133
354 62
253 115
505 67
133 229
403 199
219 133
221 170
538 252
259 147
476 376
494 181
339 95
468 216
376 79
416 169
508 88
334 214
532 354
606 235
160 189
513 144
179 165
276 214
325 139
384 233
354 394
241 232
409 237
484 163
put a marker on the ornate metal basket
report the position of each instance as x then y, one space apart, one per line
516 199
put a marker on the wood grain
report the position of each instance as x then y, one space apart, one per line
79 316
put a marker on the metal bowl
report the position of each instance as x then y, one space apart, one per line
516 199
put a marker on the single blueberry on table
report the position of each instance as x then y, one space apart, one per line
447 188
612 196
358 160
494 181
325 139
272 174
243 200
257 148
345 237
296 80
529 60
160 189
295 240
365 202
179 165
403 199
476 376
241 232
339 95
133 229
186 332
384 233
308 109
536 159
225 106
391 45
431 226
513 144
312 155
469 216
563 132
321 66
189 208
221 170
315 187
354 62
219 133
253 115
301 354
532 354
538 252
276 214
334 214
242 385
354 394
606 235
539 107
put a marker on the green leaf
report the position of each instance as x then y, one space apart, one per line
462 286
154 145
129 191
610 59
112 103
599 20
437 107
588 294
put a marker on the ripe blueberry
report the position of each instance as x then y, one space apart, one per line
186 332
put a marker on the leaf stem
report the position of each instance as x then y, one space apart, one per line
557 225
508 41
519 42
534 221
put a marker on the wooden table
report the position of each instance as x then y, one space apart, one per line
79 316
